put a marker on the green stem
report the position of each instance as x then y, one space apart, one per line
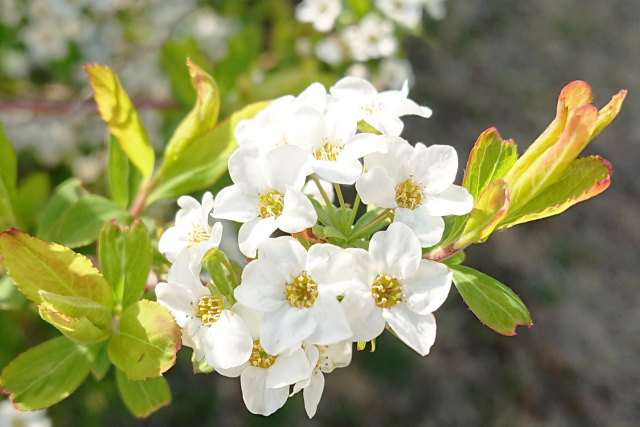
343 207
327 202
354 209
365 229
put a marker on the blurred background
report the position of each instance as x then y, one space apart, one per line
495 63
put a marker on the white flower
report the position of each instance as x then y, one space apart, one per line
10 416
192 229
380 110
435 8
394 72
418 183
404 12
213 331
372 38
321 13
311 189
265 377
266 195
273 126
396 286
332 146
330 50
323 359
297 290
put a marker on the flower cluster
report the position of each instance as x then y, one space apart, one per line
324 282
370 37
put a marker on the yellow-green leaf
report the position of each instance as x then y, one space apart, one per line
143 397
35 265
121 117
204 160
76 307
493 303
46 374
489 160
124 178
79 329
200 119
490 208
585 178
146 344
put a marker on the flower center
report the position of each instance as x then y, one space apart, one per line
386 291
271 204
302 291
408 194
323 364
328 152
260 358
373 108
197 235
208 309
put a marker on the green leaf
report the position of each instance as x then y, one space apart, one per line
145 396
125 259
585 178
493 303
101 364
491 206
46 374
77 307
243 50
147 342
35 265
118 112
489 160
204 160
200 366
124 180
79 329
8 177
83 221
31 198
176 52
64 197
200 119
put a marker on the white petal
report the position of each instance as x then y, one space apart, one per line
257 397
288 369
364 317
455 200
340 172
339 354
415 330
363 144
233 372
427 228
332 325
388 125
436 166
287 256
395 160
253 233
285 328
352 87
377 187
312 393
397 250
172 241
285 167
262 287
246 168
235 204
331 267
227 342
297 213
426 290
177 298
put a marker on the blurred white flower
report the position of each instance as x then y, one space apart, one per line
321 14
372 37
404 12
330 50
12 417
435 8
